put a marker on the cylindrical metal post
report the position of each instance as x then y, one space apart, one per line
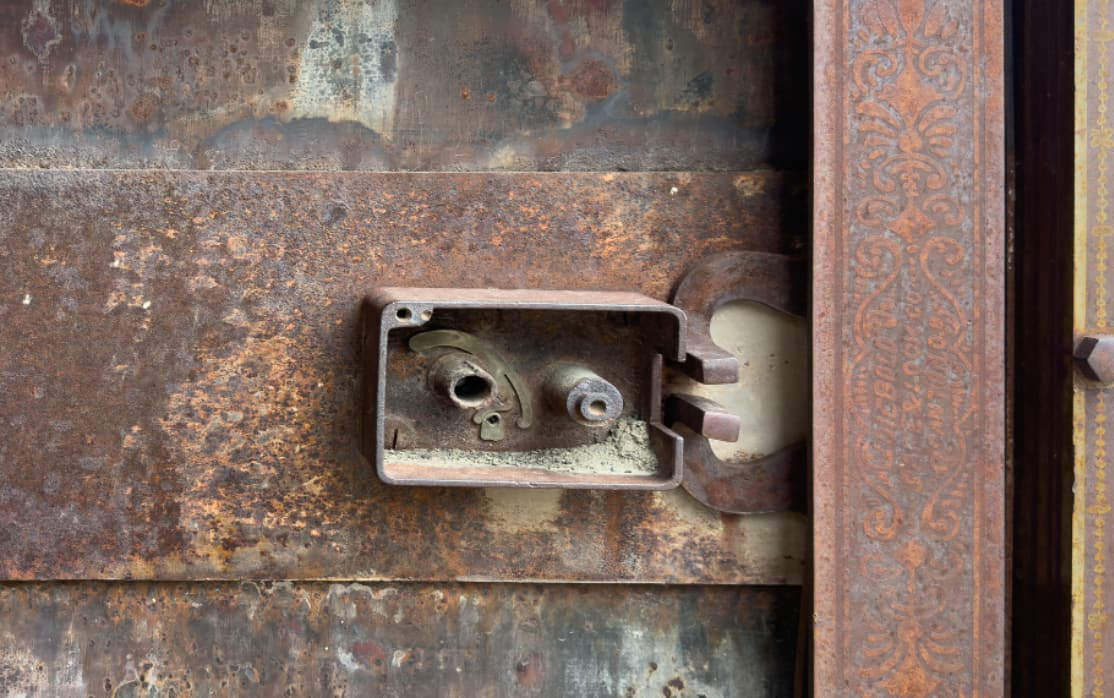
462 380
584 396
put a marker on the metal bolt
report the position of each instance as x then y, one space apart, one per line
1095 357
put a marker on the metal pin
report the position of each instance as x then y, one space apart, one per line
584 396
705 417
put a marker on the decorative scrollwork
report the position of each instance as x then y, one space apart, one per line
911 371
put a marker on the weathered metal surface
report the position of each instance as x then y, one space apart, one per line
284 639
347 84
181 378
179 351
908 480
521 336
1092 663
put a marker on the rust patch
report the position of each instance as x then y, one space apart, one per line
143 108
40 34
590 79
530 671
369 652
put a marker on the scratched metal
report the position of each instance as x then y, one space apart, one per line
467 640
908 342
180 372
391 84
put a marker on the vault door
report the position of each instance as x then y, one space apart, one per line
196 200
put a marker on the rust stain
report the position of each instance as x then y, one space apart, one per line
142 109
371 653
591 79
908 344
40 34
530 672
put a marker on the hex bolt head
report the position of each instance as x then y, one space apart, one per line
1095 357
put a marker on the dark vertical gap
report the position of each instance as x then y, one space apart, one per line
1040 144
1010 318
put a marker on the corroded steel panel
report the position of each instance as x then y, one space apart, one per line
908 348
315 639
180 368
392 84
196 415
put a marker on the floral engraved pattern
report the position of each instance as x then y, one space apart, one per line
911 341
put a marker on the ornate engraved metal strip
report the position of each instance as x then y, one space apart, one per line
908 348
1093 406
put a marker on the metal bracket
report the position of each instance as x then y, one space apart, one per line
771 483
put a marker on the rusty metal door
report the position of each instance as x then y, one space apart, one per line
194 200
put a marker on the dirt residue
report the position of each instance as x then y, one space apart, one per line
625 451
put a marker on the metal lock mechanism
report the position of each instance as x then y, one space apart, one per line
520 388
533 388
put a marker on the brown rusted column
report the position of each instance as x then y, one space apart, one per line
908 479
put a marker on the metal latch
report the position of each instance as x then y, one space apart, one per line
537 388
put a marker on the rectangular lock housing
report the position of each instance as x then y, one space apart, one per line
519 388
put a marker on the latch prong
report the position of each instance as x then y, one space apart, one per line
706 417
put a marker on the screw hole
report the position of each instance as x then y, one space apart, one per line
597 408
493 419
403 314
471 389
